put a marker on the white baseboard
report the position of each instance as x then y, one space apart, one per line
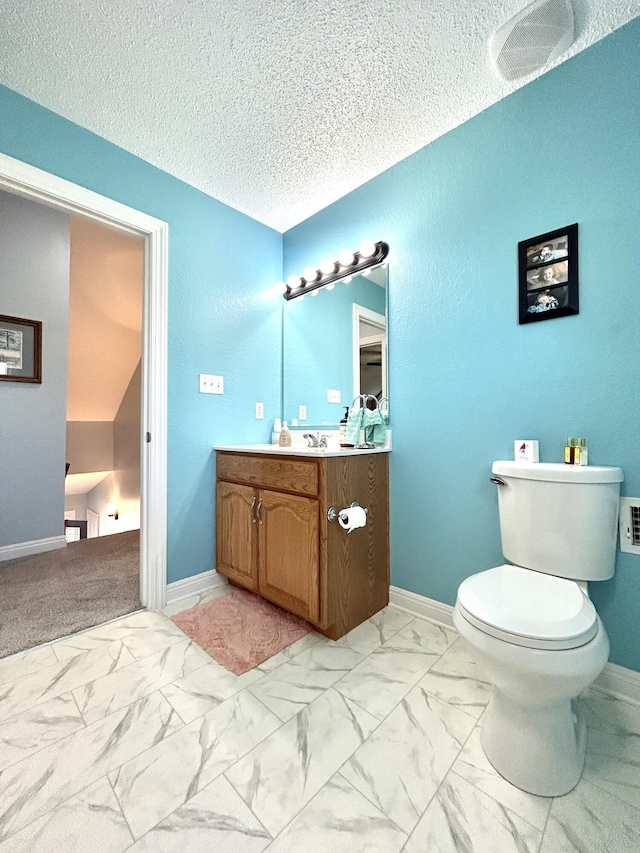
194 585
619 682
614 680
419 605
30 549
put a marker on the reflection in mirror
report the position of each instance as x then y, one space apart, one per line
369 352
335 341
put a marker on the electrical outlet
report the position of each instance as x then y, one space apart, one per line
302 413
211 384
333 396
259 411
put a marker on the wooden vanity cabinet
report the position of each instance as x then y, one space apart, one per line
237 537
273 536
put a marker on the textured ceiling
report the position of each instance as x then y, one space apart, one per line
275 107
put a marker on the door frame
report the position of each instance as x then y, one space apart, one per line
374 319
93 524
29 182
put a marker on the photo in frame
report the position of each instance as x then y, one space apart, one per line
548 275
20 350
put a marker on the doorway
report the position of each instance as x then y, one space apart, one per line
104 378
369 352
29 182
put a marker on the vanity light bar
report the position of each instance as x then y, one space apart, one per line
349 264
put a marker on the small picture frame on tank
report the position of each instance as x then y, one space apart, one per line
548 275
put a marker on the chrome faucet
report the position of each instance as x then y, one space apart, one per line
317 440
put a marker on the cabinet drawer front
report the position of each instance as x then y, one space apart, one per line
290 474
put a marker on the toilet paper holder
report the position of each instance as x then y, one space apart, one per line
333 513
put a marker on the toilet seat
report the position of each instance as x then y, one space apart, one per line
528 608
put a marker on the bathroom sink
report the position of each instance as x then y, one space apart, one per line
301 450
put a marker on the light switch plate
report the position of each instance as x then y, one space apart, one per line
211 384
302 413
259 411
333 396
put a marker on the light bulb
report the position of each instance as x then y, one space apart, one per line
346 258
327 266
367 249
293 281
331 285
366 273
315 292
309 274
280 287
348 279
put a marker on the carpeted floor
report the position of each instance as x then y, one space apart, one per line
64 591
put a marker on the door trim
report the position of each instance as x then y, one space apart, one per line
93 524
35 184
375 319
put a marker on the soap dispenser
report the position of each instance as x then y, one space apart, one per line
342 433
285 436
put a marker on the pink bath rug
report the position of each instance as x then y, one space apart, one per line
241 630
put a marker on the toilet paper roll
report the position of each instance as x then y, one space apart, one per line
353 517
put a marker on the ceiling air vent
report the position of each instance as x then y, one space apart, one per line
630 525
534 37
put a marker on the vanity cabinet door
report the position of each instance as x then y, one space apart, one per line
288 552
236 534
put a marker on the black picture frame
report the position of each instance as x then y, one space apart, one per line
20 350
548 275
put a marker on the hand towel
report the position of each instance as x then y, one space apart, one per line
374 430
354 425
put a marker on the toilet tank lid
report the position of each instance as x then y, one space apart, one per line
558 472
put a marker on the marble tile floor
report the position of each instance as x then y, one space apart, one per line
130 737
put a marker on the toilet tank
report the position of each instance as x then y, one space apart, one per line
559 519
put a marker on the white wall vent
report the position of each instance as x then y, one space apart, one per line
534 37
630 525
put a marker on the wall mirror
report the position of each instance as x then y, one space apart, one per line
334 346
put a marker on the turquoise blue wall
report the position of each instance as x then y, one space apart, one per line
223 315
465 378
318 348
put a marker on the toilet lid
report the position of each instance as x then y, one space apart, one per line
528 608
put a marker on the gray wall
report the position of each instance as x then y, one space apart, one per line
126 445
122 487
89 446
79 503
34 284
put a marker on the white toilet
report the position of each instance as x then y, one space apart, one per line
532 628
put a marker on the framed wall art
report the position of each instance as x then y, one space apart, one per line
548 275
20 350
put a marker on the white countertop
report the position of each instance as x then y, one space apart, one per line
276 450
